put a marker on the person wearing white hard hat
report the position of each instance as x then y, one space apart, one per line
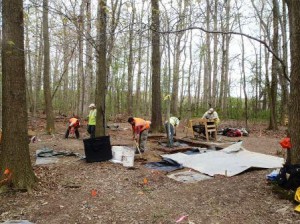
92 120
211 114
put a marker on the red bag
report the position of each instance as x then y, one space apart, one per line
234 133
286 143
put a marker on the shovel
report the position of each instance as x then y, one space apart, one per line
137 146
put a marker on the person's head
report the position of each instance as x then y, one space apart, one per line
211 110
131 120
92 106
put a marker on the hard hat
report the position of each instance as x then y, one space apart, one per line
92 105
211 110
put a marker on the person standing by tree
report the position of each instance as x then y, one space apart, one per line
140 129
92 120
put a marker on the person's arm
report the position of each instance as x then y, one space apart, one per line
135 131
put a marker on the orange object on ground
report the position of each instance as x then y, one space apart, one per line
6 171
286 143
145 181
94 193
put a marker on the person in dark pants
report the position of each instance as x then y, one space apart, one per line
172 124
73 126
140 129
91 128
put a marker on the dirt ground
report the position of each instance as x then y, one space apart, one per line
73 191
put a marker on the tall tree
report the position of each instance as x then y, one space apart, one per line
50 128
215 60
101 70
275 69
89 53
294 112
156 116
14 150
283 80
177 53
207 65
130 63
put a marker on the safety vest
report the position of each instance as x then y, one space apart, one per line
142 124
92 117
74 122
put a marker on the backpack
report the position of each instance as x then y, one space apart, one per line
234 133
289 176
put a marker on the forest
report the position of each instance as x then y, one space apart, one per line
149 59
231 55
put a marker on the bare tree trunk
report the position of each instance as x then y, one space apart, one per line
38 69
14 150
283 80
178 50
101 70
130 67
274 82
244 75
215 62
294 112
139 73
198 87
65 66
207 65
89 93
156 116
50 128
29 68
116 7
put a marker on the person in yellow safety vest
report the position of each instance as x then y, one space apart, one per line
73 126
140 130
91 128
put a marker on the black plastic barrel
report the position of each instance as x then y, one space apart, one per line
97 149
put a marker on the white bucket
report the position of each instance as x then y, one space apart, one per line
117 153
128 157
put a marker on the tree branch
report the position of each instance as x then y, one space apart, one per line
236 33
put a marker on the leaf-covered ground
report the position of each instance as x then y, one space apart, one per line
73 191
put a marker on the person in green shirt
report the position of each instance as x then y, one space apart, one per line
92 120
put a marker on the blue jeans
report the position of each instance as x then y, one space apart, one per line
171 132
91 130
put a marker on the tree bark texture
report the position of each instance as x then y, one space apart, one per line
274 81
294 112
101 71
50 128
156 117
14 151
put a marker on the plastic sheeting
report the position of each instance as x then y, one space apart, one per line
188 176
167 165
229 161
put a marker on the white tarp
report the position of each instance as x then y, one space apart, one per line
188 176
229 161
